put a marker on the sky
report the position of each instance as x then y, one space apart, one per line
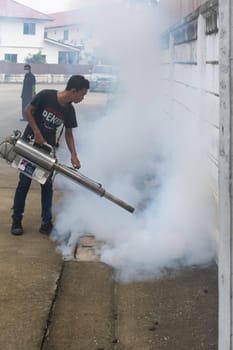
52 6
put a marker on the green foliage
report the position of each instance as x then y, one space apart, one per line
36 58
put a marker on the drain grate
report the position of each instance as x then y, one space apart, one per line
88 248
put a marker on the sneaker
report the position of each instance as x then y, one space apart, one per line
46 228
16 228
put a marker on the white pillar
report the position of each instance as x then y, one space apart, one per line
225 175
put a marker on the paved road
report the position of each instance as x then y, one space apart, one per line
10 105
51 304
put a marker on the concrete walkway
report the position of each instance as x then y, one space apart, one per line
50 304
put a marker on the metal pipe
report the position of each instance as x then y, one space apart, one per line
77 177
119 202
15 145
91 185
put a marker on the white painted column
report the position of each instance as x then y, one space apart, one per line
201 76
225 175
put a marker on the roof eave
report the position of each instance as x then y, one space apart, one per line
57 43
26 18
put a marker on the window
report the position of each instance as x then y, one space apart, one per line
29 28
186 33
211 22
66 35
10 57
67 57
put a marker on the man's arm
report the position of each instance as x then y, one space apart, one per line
29 109
70 143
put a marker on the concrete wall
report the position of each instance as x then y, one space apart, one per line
191 72
45 73
174 11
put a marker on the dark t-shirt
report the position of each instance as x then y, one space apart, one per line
49 115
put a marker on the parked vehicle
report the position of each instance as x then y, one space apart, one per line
103 78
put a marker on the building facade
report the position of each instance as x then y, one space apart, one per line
190 49
23 34
197 45
21 31
174 11
67 28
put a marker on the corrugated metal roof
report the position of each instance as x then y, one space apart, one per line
13 9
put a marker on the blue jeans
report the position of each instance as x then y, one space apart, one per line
21 194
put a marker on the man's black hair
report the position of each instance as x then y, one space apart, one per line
77 82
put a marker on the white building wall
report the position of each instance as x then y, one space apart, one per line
12 33
191 89
75 37
13 41
51 52
21 52
55 34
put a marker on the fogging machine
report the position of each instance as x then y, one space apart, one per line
39 162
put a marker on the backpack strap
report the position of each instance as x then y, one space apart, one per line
60 135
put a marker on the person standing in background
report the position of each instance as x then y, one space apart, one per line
28 90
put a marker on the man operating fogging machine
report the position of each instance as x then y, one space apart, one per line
48 110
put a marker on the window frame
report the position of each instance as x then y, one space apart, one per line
29 28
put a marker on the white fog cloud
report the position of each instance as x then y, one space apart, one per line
142 156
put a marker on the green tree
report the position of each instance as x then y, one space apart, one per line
36 58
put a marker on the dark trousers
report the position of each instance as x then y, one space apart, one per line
21 194
25 102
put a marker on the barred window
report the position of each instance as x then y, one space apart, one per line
211 22
179 36
192 31
186 33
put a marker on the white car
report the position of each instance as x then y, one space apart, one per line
102 78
